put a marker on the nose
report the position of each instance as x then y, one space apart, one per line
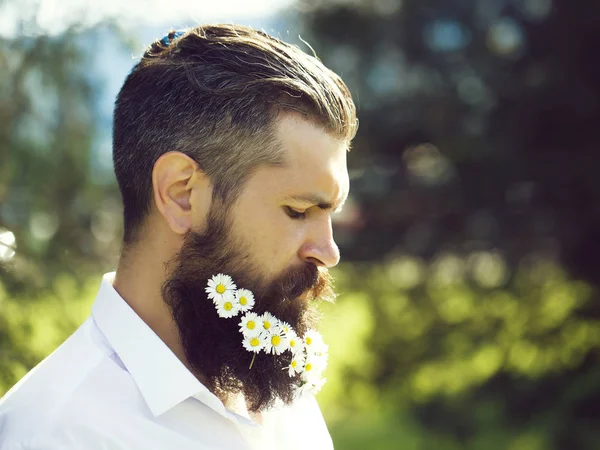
319 247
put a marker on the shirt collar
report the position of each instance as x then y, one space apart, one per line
161 377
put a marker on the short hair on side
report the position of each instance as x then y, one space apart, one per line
213 93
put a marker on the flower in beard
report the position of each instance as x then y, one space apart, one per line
220 287
277 341
313 368
227 307
286 327
254 343
314 344
251 324
315 361
244 299
318 363
296 344
297 364
269 321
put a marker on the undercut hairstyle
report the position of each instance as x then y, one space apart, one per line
214 93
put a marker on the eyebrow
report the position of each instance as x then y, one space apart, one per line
316 200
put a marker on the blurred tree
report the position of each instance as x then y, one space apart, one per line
59 223
63 219
475 179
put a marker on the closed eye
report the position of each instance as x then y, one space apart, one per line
291 212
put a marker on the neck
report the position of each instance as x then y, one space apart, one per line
138 280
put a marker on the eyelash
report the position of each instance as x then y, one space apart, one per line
296 215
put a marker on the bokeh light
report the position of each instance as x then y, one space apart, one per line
7 244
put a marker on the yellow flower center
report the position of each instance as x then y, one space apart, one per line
228 306
276 340
254 342
308 340
292 343
250 325
220 288
243 301
267 325
308 367
294 364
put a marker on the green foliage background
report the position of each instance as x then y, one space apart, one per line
468 314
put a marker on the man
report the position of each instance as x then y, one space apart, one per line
230 152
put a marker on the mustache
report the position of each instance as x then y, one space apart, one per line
305 278
298 280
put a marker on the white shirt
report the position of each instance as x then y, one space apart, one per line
115 385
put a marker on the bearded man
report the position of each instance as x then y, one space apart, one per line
230 153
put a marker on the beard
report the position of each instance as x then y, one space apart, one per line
213 345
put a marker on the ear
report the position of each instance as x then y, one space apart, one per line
175 178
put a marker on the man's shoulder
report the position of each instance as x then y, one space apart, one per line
60 391
300 424
69 437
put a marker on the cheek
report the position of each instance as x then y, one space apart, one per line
272 237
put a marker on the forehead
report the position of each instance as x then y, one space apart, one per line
314 160
313 164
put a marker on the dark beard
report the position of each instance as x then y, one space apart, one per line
213 345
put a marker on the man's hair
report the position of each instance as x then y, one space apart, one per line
213 93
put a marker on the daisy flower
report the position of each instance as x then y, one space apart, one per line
312 371
316 363
314 342
227 307
286 327
296 344
220 286
245 299
297 365
255 343
277 341
251 324
269 322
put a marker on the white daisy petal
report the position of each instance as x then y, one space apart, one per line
220 286
297 365
311 387
286 327
251 324
245 299
254 343
318 385
227 295
314 342
269 321
276 340
317 363
296 344
311 373
227 307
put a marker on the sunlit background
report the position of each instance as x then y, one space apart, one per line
469 314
